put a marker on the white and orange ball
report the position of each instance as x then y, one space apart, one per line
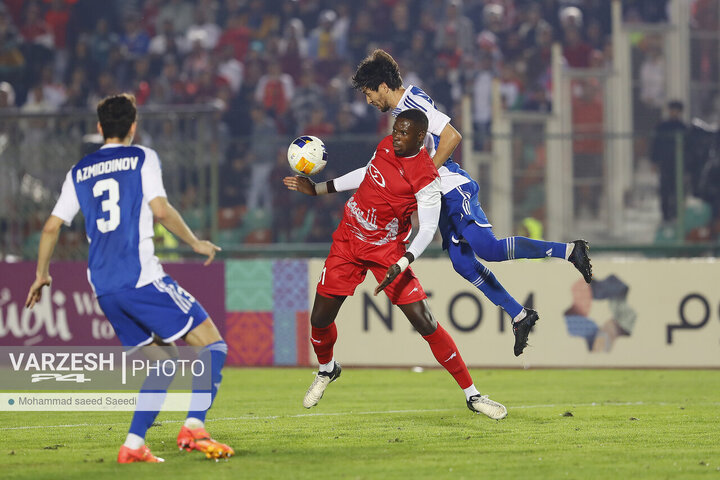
307 155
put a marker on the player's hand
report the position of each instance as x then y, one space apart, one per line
392 272
35 293
209 249
300 184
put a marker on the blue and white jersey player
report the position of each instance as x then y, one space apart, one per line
119 190
464 226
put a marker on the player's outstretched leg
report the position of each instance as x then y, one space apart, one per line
323 335
486 246
192 435
580 257
465 263
447 354
151 397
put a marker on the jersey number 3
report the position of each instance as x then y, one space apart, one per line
109 205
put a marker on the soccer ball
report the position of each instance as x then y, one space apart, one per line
307 155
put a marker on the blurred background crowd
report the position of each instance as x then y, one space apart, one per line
276 69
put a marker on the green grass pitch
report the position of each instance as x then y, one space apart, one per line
394 423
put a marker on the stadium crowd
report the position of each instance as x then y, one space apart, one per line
279 68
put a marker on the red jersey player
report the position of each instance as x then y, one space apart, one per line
398 180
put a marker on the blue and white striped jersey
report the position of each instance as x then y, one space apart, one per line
113 187
451 174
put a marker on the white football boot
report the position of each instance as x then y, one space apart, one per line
318 386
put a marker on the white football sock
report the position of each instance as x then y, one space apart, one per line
568 249
134 441
520 316
192 423
470 391
327 367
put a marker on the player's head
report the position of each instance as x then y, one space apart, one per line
409 132
377 76
675 109
117 115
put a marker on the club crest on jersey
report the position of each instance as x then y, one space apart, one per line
376 175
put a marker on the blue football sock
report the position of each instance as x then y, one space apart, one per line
486 246
151 397
215 355
465 263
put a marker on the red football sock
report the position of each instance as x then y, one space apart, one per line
447 355
323 340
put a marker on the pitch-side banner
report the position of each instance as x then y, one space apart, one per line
69 314
635 313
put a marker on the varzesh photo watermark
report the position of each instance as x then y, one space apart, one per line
152 378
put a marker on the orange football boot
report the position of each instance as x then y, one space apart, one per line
199 439
142 454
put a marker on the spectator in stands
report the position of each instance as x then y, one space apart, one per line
664 156
587 119
57 17
203 29
275 90
179 12
230 69
134 40
293 48
575 50
263 148
528 30
361 34
236 34
261 21
168 42
197 61
318 125
455 24
652 84
100 43
401 34
12 61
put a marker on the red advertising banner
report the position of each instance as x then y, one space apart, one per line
69 314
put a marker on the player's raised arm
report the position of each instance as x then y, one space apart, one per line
349 181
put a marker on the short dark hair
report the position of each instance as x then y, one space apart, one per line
379 67
415 116
116 115
675 105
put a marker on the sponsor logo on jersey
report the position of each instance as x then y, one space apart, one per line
376 175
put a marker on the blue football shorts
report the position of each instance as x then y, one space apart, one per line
461 207
162 308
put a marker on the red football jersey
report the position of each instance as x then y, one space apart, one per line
380 210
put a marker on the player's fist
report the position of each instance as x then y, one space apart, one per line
392 272
300 184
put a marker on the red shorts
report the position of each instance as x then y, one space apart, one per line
349 260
